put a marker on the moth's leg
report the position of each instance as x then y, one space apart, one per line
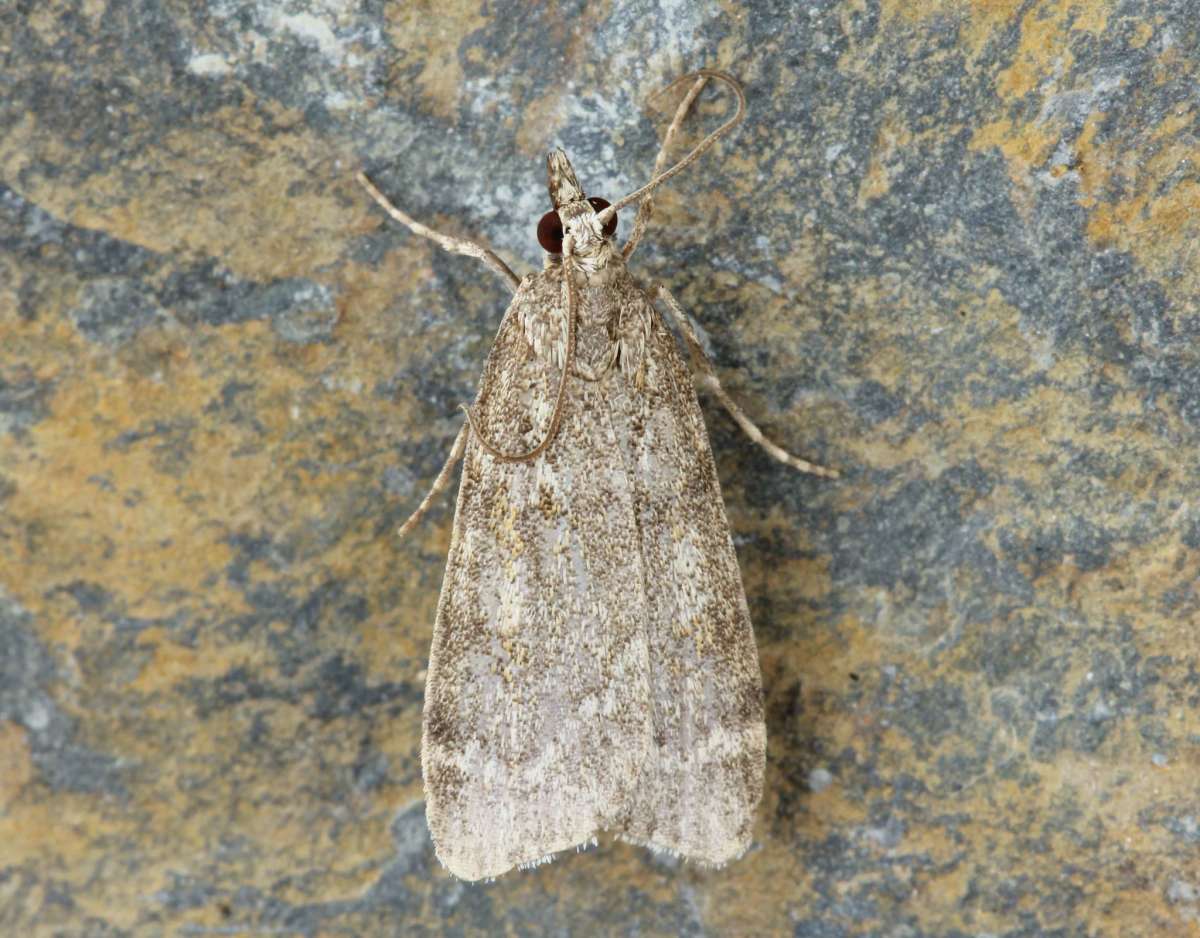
439 484
646 208
454 245
708 379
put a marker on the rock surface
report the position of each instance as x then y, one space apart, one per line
952 250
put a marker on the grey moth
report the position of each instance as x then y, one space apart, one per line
593 668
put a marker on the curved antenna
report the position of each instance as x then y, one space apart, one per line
603 216
568 273
646 207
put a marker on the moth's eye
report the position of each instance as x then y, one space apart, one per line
600 205
550 233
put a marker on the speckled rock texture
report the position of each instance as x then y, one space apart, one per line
952 251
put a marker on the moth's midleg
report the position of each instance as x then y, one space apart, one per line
709 380
446 242
439 484
646 208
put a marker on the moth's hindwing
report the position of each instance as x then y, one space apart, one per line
593 666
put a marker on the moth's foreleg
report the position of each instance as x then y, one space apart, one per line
439 484
451 244
646 208
707 377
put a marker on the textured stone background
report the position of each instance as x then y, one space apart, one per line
951 251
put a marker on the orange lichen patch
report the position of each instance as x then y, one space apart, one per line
1025 146
16 769
740 175
209 784
803 265
540 124
172 663
991 12
1126 185
1145 199
1044 51
982 18
140 505
44 20
875 183
1142 33
892 135
54 831
397 640
261 808
1133 586
850 648
1092 784
431 34
134 456
1177 219
227 190
945 890
1042 57
724 911
24 142
1116 790
1019 436
806 579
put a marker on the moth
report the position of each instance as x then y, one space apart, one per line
593 668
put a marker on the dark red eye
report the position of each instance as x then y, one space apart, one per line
600 205
550 233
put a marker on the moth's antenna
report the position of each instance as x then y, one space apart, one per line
603 216
646 206
568 276
447 243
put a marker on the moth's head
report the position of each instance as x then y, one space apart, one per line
573 213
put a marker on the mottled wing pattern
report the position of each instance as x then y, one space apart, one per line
704 777
535 728
592 666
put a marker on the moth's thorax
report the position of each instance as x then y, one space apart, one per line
609 328
597 292
612 320
601 265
